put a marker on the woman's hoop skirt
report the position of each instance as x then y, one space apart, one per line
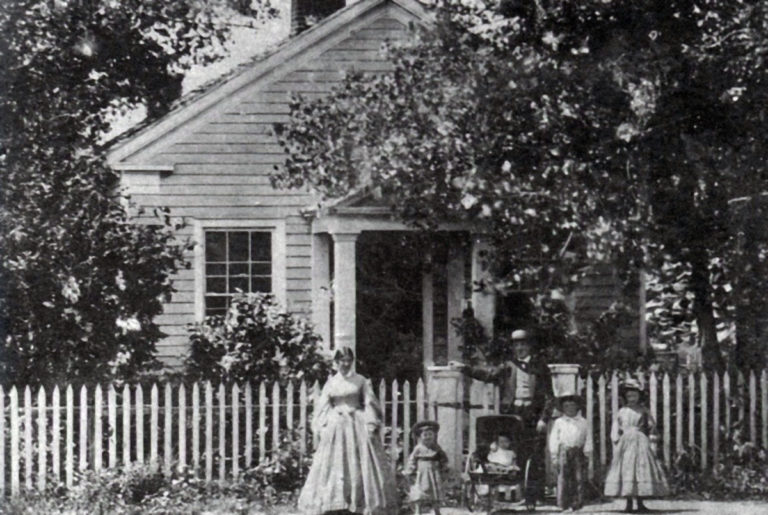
350 470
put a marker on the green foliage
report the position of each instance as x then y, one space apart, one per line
80 284
572 132
256 341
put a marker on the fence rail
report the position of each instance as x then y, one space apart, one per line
51 436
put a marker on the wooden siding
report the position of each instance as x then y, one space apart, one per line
221 170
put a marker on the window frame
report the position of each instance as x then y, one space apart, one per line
278 273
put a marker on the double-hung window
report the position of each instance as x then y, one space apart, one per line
236 260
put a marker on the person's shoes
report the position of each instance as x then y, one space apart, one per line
643 509
628 507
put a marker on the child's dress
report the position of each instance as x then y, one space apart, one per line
634 469
569 441
427 463
503 459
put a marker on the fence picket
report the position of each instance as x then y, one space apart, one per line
764 405
235 430
182 428
97 432
679 414
139 424
55 435
666 437
249 425
590 409
715 418
196 428
154 417
614 395
168 430
741 397
289 407
275 417
303 417
653 394
420 400
222 432
83 446
601 413
69 460
407 402
727 401
691 411
112 427
208 431
393 424
126 425
704 426
752 407
42 426
262 421
14 426
2 441
28 438
382 403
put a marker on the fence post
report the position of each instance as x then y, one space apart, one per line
752 407
727 401
653 393
303 418
590 423
262 421
28 481
208 431
222 432
154 418
691 411
168 430
393 433
601 399
715 418
275 417
420 400
679 413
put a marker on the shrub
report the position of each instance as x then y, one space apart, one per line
255 341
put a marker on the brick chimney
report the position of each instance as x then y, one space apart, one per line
305 13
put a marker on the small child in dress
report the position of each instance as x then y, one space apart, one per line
635 472
426 463
570 446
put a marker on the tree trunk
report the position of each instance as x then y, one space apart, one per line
711 356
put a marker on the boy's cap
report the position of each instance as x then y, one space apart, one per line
418 427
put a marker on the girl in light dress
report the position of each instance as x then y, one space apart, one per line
635 472
426 464
350 471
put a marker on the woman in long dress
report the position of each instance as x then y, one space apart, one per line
635 472
350 471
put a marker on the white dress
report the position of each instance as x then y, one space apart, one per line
634 471
350 470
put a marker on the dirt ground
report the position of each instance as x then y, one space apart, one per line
658 506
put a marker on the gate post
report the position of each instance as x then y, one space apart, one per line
446 394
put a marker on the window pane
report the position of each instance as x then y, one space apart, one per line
261 284
216 270
215 246
236 283
238 246
216 285
261 246
261 268
216 305
238 269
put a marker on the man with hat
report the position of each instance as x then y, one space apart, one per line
524 381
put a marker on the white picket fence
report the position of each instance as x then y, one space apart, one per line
216 431
49 437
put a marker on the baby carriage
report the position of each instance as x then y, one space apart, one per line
484 484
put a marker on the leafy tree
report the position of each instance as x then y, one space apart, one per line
80 283
572 131
255 341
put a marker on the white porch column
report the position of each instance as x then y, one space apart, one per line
321 287
455 273
427 314
344 290
483 299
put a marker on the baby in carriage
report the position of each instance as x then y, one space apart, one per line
501 457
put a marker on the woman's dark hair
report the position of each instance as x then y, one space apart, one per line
344 353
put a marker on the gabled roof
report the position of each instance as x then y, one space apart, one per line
130 152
